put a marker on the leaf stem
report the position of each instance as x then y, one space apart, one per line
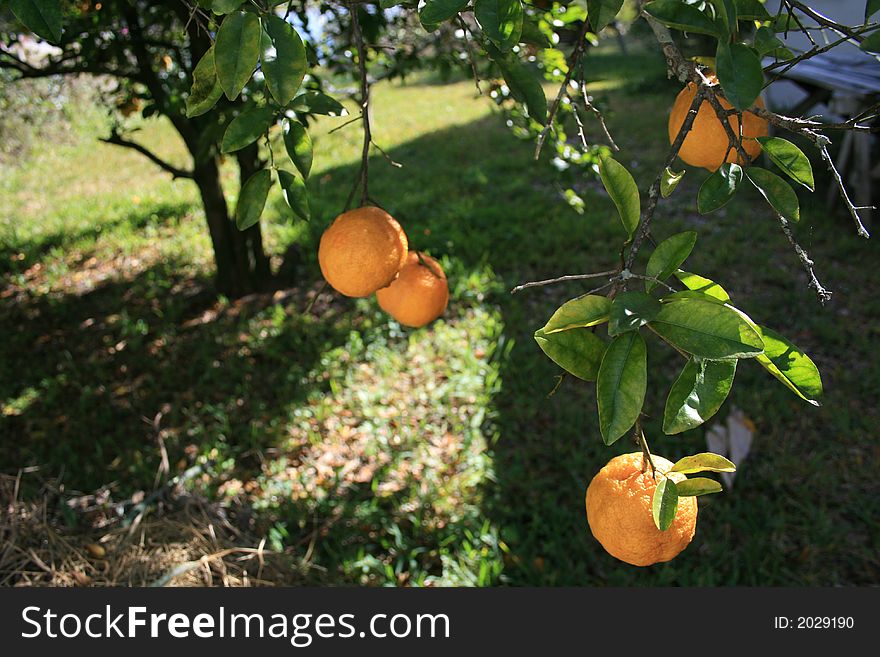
647 458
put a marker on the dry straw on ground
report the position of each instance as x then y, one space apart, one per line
59 540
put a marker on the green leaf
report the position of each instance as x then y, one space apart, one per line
225 6
532 33
702 284
524 86
246 128
717 190
283 59
698 486
621 385
437 11
578 351
236 51
703 462
687 18
766 41
697 394
725 15
670 181
740 74
622 189
295 193
630 311
790 159
790 365
252 199
582 312
706 330
871 42
665 504
751 10
206 90
42 17
871 8
776 191
784 22
315 102
299 146
500 20
602 12
668 256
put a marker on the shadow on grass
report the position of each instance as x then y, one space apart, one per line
85 376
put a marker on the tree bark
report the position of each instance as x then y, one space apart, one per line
249 163
242 266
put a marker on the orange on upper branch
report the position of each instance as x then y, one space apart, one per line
707 144
362 251
419 294
619 511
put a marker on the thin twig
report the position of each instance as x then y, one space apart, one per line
654 192
653 279
824 20
821 142
347 123
562 279
646 452
470 54
391 161
175 172
363 180
861 231
597 113
822 294
734 141
573 60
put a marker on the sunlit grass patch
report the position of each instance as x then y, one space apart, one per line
390 450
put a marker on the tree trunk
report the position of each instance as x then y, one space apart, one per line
242 267
249 163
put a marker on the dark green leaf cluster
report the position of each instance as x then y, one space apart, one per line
700 321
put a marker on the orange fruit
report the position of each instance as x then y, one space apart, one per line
362 251
419 294
706 145
619 511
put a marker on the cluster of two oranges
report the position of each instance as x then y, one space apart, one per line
365 251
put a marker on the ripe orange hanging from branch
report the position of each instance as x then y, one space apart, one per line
362 251
707 145
619 500
419 294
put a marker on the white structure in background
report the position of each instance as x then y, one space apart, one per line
732 439
839 84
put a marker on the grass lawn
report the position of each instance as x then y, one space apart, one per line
377 455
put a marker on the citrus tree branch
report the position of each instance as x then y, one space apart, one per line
563 279
117 140
685 72
573 60
363 180
808 129
644 227
824 21
822 294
